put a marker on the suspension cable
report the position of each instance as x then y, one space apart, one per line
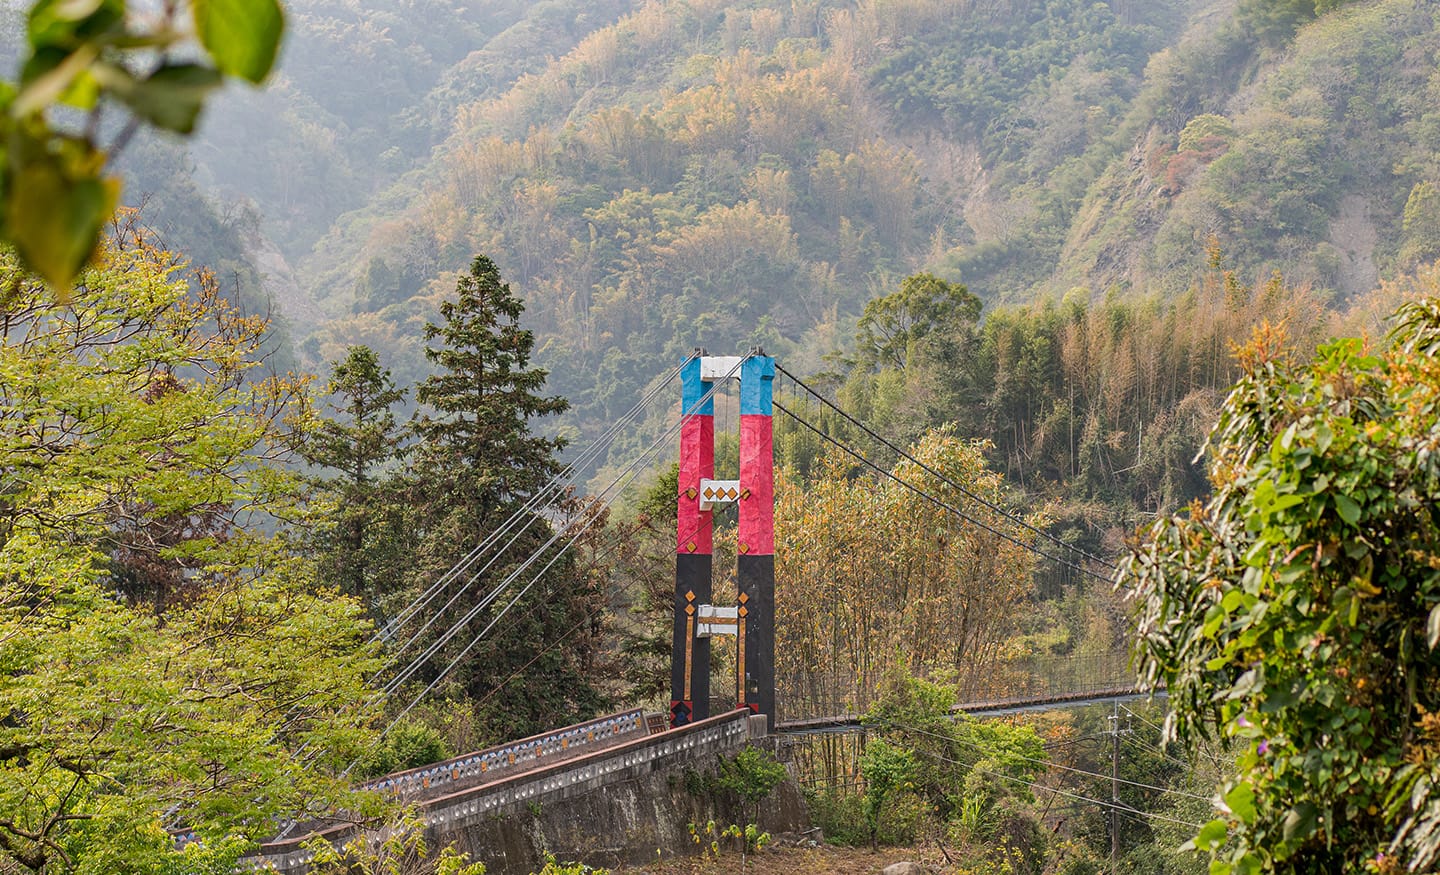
590 615
927 468
939 502
625 475
569 473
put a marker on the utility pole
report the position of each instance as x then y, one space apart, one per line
1115 803
1115 791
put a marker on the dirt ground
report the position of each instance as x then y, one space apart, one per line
825 860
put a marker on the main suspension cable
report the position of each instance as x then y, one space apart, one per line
937 501
930 470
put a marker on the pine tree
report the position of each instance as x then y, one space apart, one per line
476 463
358 545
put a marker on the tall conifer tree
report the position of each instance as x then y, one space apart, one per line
359 549
476 463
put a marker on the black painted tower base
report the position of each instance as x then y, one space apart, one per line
756 578
690 695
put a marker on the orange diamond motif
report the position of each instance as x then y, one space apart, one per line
690 547
743 611
744 597
744 548
690 596
690 493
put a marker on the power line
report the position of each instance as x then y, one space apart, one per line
972 495
1116 806
940 503
1045 762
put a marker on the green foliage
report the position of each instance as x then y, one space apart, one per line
1421 224
710 837
400 848
358 538
929 771
1275 21
476 462
555 867
843 818
220 857
750 776
892 325
166 654
54 194
408 745
889 772
1295 611
242 36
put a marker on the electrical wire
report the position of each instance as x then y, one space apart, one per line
972 495
1050 763
1117 806
940 503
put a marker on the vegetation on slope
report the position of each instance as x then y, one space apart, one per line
696 174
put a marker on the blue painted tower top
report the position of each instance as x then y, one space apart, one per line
757 375
693 389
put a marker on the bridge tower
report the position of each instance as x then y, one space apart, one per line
752 619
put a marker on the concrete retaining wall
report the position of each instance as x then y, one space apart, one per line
617 805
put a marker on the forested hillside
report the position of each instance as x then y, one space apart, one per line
697 173
365 91
658 176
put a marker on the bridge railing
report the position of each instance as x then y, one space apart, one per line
448 814
516 756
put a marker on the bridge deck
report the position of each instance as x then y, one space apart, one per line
991 708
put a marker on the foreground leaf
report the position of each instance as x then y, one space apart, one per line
242 36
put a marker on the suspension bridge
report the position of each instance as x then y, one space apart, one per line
462 800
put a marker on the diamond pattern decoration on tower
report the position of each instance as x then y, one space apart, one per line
713 492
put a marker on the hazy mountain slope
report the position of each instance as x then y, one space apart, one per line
1321 162
363 94
655 176
709 173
